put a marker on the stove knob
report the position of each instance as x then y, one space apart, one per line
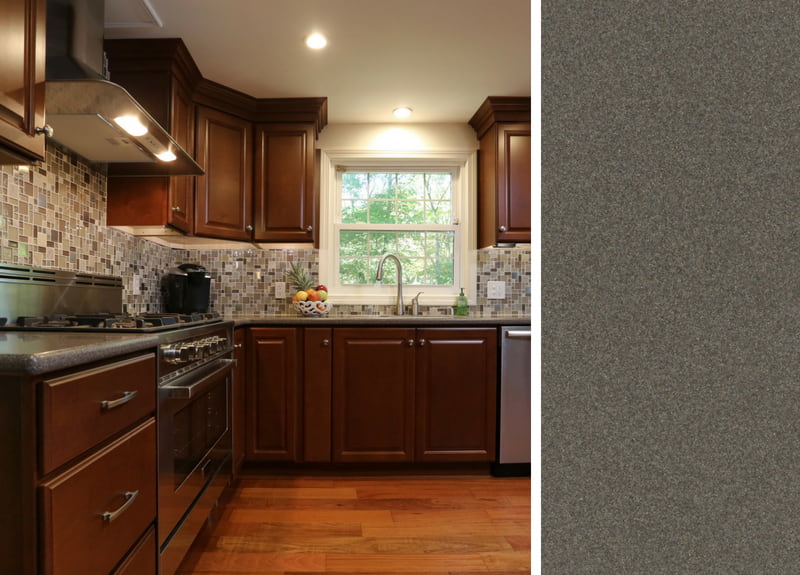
175 353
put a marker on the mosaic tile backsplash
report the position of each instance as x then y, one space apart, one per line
53 216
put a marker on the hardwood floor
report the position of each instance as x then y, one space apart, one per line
427 525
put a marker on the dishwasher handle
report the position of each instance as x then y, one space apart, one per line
518 334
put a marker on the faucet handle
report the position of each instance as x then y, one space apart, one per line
415 304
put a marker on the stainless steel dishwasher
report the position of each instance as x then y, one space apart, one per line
514 417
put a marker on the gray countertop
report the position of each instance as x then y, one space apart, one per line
383 320
41 352
35 353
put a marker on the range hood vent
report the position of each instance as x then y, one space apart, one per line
81 104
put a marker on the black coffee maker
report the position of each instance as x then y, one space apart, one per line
188 289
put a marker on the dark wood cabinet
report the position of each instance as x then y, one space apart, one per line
317 374
273 394
266 195
80 477
373 395
239 399
504 170
224 149
161 75
284 202
456 394
22 90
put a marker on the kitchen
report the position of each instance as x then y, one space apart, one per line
54 217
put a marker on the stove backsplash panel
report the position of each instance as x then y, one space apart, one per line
53 216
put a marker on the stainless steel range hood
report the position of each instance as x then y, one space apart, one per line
82 106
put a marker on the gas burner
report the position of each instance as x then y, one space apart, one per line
54 321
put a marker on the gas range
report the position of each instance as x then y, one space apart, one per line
117 322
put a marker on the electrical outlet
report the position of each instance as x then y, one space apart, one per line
280 290
496 290
137 284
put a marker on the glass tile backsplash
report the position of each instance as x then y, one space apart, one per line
53 216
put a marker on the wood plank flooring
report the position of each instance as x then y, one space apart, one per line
426 525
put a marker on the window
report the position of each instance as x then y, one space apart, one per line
414 208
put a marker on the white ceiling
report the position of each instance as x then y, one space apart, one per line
440 57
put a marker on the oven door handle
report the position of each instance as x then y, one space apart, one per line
178 391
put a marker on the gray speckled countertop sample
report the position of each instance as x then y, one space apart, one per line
383 320
41 352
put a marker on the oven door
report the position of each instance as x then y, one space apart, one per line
194 440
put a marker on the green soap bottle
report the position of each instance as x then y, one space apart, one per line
462 307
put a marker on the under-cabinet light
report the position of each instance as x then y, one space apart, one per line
167 156
132 125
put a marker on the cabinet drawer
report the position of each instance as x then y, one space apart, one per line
77 537
82 409
143 560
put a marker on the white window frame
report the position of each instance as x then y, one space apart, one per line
464 186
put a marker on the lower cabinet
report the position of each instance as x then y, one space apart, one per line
456 394
364 395
79 470
373 394
272 415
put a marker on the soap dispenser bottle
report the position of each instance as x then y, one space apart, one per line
462 307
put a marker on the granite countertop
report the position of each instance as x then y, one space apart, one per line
41 352
382 320
34 353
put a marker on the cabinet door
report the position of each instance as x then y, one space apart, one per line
514 183
225 152
272 395
22 62
317 370
456 391
239 399
284 183
373 394
180 209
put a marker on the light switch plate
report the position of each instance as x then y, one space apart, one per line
496 290
137 284
280 290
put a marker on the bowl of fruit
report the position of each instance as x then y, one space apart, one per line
309 300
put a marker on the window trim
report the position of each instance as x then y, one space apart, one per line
464 166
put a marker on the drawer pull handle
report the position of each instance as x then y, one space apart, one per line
130 497
126 397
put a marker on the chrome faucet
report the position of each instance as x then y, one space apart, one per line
399 309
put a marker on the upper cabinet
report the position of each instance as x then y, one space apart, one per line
224 194
161 75
22 63
257 154
503 126
285 199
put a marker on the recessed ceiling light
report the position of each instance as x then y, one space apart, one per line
316 41
402 112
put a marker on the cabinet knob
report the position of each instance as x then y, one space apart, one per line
422 342
238 346
176 208
410 343
309 229
503 228
47 130
248 228
326 342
